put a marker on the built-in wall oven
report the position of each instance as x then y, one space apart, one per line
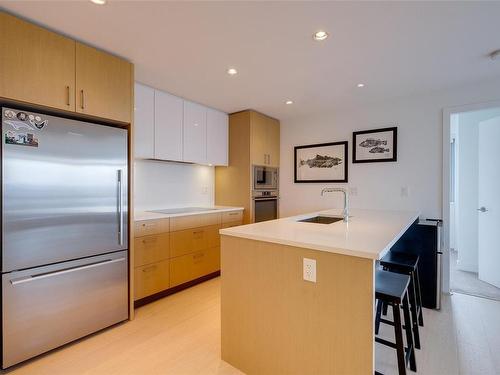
265 205
265 178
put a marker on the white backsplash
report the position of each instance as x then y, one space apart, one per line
159 184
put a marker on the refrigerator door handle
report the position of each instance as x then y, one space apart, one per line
64 271
120 207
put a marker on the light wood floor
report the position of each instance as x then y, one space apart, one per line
180 335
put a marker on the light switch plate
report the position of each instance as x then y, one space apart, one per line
309 272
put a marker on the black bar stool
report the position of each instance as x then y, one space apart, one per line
392 289
407 264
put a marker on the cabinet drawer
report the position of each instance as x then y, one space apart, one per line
190 240
194 221
191 266
148 227
232 216
150 249
151 279
232 224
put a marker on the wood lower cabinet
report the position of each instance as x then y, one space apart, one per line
151 278
36 65
192 266
189 246
103 84
150 249
187 241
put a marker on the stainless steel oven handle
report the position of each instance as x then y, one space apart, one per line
64 271
266 198
120 208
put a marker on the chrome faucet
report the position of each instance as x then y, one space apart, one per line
345 213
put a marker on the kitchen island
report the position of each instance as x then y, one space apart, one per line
275 322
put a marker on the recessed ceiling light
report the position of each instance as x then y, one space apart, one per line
361 85
320 35
289 102
232 71
99 2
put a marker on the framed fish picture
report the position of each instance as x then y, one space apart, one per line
375 145
323 162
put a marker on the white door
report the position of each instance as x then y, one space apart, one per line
489 201
195 133
168 126
144 105
217 137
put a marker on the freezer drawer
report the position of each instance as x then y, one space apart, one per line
46 307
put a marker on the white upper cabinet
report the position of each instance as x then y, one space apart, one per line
144 122
217 137
195 133
168 126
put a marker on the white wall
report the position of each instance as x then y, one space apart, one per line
419 165
468 188
160 184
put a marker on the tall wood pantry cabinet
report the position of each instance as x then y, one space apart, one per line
254 139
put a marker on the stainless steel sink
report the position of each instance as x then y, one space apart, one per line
321 219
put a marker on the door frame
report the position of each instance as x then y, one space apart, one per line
447 112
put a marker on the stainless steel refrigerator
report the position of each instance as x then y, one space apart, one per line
64 231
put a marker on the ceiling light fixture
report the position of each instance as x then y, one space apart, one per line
361 85
99 2
289 102
232 71
320 35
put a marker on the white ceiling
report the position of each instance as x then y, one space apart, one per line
395 48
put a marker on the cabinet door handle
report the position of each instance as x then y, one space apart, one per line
149 240
269 159
82 99
198 233
67 96
148 269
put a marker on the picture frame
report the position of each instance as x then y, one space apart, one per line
375 145
321 162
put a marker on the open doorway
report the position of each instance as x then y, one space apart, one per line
474 202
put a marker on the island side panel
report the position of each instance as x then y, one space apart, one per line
274 322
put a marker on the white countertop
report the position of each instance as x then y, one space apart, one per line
148 215
368 234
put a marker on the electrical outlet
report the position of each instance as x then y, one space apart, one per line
405 191
204 189
353 191
309 270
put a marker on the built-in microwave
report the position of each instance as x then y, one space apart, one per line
265 178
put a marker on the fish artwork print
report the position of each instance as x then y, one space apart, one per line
370 142
378 150
320 161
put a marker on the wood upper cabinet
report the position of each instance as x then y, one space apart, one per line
217 137
103 84
144 121
36 65
265 140
195 133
